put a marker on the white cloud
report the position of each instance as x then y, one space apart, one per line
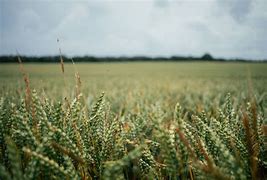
152 27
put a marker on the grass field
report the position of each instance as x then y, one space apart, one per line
170 120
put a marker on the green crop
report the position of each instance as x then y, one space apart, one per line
151 123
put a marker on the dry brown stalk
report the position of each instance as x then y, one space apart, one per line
210 168
27 82
61 58
191 173
252 146
205 154
186 143
67 152
61 62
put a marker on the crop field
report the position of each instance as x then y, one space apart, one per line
139 120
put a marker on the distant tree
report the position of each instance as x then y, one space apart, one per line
207 56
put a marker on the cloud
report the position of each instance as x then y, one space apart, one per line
238 9
152 27
162 3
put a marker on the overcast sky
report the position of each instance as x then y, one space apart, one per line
224 28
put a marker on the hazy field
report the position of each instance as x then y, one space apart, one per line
151 82
113 78
181 120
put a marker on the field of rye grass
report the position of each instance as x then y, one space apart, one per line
186 120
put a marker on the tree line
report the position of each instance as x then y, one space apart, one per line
55 59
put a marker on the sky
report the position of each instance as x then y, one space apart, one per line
223 28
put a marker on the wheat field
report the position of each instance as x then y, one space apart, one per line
184 120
